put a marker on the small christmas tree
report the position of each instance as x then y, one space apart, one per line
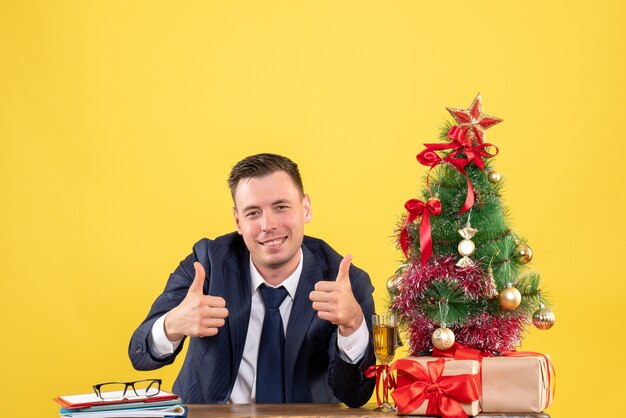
465 275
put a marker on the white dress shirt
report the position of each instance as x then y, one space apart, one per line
351 348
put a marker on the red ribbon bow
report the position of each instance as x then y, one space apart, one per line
418 208
473 153
445 394
388 382
463 153
461 352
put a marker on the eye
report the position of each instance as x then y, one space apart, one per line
281 208
252 214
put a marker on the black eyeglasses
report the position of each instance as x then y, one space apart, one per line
118 390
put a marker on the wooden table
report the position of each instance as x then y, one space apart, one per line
298 410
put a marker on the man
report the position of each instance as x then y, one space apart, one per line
312 344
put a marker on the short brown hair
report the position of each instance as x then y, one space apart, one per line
260 165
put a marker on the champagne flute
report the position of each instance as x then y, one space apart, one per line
385 341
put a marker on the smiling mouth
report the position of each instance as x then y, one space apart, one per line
273 242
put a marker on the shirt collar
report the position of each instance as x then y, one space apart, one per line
290 283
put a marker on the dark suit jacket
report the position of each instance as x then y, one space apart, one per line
314 371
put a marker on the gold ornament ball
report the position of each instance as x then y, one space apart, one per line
510 298
494 177
523 253
393 284
443 338
543 318
466 247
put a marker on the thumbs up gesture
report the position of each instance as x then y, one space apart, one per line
335 302
198 315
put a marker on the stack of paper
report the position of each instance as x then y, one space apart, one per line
117 405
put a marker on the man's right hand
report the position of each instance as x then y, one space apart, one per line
198 315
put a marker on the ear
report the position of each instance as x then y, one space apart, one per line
306 204
236 216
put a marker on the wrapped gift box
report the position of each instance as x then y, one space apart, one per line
468 368
517 383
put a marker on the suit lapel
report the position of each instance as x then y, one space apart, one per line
238 302
302 313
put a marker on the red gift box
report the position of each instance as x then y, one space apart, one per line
434 386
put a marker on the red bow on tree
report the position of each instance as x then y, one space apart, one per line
418 208
445 394
463 153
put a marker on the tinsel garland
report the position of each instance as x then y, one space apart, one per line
471 279
493 334
483 331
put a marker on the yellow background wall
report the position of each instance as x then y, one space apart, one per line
119 122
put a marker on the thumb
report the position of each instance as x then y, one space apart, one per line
198 281
344 268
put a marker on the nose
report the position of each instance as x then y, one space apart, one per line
268 221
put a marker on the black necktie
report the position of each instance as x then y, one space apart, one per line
270 379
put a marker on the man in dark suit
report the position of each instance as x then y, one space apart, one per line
312 344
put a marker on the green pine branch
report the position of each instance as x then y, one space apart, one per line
446 303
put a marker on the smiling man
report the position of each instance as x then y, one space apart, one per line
271 315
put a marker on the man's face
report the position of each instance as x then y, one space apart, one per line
270 214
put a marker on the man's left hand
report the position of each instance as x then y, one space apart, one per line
335 302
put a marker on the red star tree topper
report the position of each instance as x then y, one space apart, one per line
473 121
